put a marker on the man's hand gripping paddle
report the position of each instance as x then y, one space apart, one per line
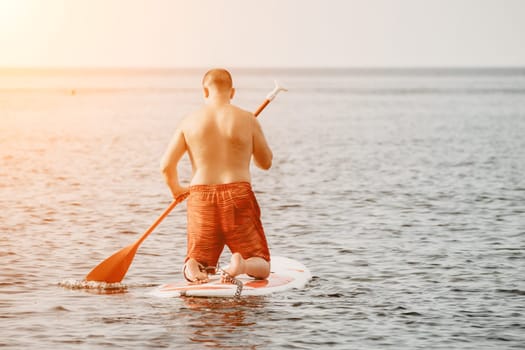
114 268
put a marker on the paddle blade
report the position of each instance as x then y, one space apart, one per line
114 268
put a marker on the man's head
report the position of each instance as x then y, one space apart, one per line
218 81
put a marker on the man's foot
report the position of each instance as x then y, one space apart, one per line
237 267
194 273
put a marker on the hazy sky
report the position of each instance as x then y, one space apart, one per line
260 33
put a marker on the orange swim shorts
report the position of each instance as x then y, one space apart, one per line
225 214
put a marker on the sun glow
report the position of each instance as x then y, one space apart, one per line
12 13
15 25
27 29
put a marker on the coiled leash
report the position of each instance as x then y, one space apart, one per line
230 279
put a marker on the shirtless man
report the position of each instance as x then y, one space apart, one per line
220 139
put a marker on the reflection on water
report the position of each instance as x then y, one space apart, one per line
220 322
403 193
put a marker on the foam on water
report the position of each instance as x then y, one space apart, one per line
101 286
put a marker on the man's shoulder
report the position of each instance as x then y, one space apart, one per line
192 116
201 115
241 110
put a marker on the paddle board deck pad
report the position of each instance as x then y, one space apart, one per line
285 274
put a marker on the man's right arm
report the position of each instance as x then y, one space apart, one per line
262 154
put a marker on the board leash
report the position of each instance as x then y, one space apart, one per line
230 279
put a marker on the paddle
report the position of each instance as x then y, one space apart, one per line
114 268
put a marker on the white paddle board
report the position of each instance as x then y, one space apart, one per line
285 274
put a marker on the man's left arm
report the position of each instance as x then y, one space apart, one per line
170 160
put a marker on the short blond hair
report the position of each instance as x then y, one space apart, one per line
219 78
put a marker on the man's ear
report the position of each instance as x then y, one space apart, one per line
232 93
206 92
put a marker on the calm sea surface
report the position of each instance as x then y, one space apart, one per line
403 191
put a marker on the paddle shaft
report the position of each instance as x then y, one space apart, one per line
162 217
261 107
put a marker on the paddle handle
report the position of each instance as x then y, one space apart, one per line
278 88
261 107
162 216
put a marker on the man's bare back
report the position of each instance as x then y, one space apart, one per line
220 142
220 139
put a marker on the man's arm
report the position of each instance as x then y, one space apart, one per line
170 160
262 154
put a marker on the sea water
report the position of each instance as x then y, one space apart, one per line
403 191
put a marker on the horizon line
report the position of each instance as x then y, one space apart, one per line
262 68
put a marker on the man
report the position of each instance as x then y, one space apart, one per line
220 139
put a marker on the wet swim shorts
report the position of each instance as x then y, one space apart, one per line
225 214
